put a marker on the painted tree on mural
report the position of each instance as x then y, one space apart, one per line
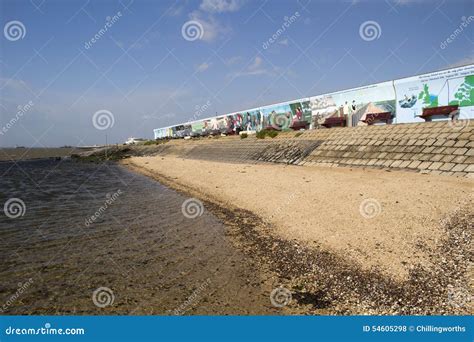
464 95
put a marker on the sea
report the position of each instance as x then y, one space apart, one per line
97 238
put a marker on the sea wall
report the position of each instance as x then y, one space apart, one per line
405 99
443 148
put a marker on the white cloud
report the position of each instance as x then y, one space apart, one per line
233 60
254 69
212 28
220 6
203 67
256 63
12 83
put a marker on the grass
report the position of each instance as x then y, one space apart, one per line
243 135
264 132
298 134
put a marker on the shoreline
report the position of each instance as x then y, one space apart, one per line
321 280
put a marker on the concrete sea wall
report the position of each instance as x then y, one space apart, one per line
443 148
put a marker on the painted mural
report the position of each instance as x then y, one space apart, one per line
404 99
447 87
283 116
357 102
247 121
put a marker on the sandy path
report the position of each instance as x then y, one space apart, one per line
387 220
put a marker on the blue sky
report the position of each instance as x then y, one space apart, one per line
145 73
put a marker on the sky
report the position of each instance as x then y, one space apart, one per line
79 72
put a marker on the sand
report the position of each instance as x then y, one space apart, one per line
374 219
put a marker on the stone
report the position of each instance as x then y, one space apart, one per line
447 166
424 165
459 167
435 166
460 151
414 164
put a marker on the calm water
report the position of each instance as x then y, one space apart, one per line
139 246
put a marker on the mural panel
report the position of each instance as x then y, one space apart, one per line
357 102
284 116
404 98
447 87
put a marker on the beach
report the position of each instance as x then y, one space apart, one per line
375 234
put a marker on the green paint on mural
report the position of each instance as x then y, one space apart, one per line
429 100
464 95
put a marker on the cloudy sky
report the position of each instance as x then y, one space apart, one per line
142 64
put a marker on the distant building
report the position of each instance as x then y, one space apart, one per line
134 141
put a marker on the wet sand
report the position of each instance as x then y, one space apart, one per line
375 235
